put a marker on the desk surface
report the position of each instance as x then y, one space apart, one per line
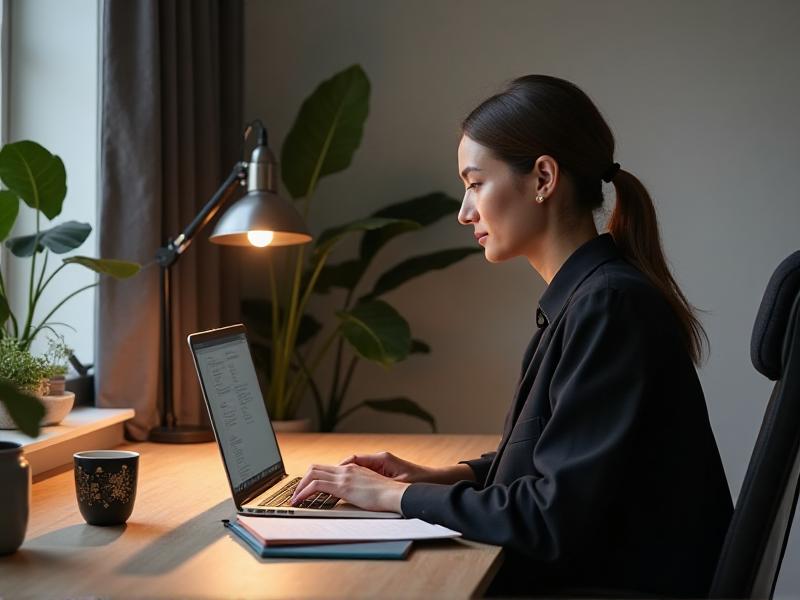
174 545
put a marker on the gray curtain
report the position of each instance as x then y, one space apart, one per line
171 129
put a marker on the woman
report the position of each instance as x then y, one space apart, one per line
607 475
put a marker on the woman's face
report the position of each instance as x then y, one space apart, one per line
498 203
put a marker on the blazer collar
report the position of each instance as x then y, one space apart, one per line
575 269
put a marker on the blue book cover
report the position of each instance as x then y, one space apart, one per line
397 550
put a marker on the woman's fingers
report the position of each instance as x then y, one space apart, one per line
315 487
380 462
354 484
322 472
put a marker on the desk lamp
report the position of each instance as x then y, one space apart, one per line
260 218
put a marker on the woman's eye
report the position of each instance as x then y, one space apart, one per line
473 185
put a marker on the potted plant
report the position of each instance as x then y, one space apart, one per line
57 357
323 139
34 375
36 177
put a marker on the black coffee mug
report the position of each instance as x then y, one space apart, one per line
105 483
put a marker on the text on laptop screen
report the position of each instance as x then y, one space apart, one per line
237 406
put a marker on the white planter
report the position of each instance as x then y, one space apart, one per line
56 408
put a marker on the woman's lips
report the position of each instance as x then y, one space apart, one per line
481 237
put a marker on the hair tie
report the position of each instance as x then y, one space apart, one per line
611 172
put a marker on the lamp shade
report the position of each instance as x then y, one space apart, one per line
260 211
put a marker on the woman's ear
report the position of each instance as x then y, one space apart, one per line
546 174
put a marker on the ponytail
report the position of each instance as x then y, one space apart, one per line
540 114
634 227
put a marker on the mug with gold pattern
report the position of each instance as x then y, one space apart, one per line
105 482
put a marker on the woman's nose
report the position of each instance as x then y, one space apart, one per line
467 214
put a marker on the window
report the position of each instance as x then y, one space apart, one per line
50 94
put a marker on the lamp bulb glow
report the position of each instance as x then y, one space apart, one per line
259 239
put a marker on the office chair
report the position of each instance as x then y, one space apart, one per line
755 544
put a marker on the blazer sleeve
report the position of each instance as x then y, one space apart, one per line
595 392
480 466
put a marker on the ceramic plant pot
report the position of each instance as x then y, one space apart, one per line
56 408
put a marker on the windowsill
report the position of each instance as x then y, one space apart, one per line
85 428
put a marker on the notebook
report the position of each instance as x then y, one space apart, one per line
283 532
393 550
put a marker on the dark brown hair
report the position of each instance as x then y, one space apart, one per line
539 114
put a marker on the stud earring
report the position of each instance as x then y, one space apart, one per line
539 198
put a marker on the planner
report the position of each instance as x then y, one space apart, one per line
393 550
283 532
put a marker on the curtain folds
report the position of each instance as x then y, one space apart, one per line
171 126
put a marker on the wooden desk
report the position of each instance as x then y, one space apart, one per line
174 545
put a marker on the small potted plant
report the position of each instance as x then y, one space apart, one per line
57 356
32 374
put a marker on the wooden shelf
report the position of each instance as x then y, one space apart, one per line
85 428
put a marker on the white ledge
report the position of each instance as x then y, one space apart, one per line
85 428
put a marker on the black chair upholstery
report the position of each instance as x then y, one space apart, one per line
751 556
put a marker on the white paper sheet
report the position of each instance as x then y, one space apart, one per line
278 531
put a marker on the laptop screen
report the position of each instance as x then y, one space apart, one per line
245 436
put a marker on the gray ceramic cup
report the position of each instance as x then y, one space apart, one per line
105 483
15 475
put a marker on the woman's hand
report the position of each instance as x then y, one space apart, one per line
389 465
353 483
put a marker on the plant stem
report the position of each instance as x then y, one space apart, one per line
314 389
299 308
332 396
340 399
314 363
49 279
26 338
10 312
347 413
59 305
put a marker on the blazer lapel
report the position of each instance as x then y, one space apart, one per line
533 358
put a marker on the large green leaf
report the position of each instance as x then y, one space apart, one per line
377 332
419 347
119 269
418 265
9 207
424 210
257 315
35 175
326 132
26 411
403 406
343 275
330 237
59 239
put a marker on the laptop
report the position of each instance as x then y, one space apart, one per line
259 483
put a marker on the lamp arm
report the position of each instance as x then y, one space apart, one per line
167 255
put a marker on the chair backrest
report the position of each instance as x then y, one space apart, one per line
756 541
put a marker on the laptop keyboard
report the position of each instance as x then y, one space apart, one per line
283 496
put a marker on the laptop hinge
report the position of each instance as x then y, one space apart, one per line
264 487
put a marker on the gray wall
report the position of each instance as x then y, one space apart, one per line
702 97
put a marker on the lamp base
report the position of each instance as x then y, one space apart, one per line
181 434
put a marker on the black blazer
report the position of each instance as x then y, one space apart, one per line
607 474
